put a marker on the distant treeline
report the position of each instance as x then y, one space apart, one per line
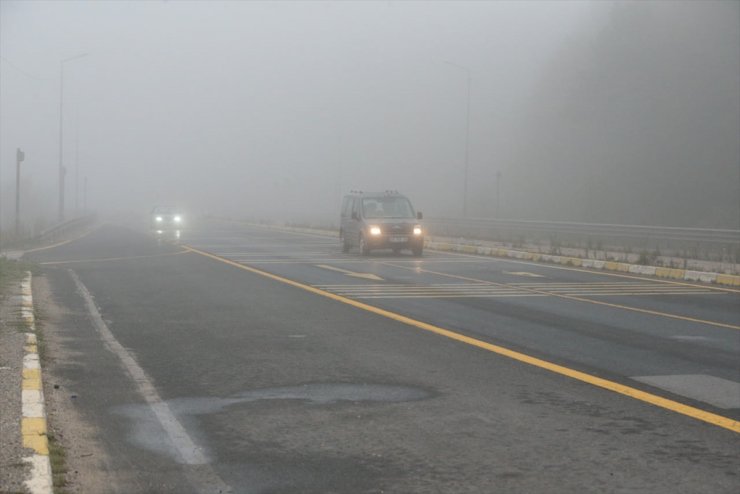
637 122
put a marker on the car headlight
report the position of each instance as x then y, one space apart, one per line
177 219
417 230
374 230
158 219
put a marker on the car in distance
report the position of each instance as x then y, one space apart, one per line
166 219
380 220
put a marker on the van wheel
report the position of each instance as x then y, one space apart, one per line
364 249
417 251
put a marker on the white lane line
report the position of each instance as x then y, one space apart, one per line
367 276
716 391
188 451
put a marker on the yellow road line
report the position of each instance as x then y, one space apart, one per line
577 298
689 411
589 271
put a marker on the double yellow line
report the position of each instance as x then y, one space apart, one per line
635 393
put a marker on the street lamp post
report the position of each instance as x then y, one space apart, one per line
467 135
62 171
19 157
498 191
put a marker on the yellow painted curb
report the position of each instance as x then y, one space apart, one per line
622 267
33 430
31 379
728 279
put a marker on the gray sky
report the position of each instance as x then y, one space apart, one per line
276 108
219 105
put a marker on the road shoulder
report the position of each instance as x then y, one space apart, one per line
13 471
85 462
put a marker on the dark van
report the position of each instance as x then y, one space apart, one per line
380 220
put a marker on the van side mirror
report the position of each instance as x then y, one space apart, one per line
419 216
354 216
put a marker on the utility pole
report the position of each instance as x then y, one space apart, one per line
62 170
61 141
469 74
498 191
84 195
77 172
19 157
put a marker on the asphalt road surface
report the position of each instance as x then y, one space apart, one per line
248 360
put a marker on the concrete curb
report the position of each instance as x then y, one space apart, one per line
620 267
33 412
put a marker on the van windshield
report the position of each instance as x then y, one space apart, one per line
387 207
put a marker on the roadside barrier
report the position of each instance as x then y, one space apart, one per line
493 251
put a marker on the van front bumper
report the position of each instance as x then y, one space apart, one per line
405 241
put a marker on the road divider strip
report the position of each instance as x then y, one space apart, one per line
646 397
34 430
620 267
604 265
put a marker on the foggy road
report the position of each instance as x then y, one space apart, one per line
269 361
171 338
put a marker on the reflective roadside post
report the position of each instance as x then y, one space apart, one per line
19 157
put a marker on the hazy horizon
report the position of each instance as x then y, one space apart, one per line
601 112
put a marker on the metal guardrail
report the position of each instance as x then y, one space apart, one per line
664 233
673 240
59 230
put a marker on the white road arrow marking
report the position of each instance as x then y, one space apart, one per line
524 273
366 276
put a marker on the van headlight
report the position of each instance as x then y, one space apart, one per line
177 219
417 230
158 219
375 230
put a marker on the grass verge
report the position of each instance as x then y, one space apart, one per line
58 460
13 271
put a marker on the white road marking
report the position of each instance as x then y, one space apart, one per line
188 451
689 338
489 290
716 391
366 276
524 273
33 403
40 475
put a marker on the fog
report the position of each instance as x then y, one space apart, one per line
600 112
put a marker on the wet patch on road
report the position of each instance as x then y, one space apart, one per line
148 434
